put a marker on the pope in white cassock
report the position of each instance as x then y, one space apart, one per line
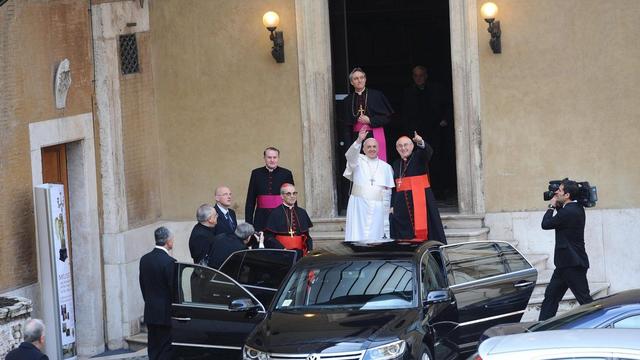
368 209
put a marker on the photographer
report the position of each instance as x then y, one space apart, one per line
570 257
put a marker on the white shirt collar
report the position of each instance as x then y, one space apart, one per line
163 248
290 207
222 209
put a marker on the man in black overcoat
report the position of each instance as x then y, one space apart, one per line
227 222
414 215
31 347
156 283
203 233
263 193
570 256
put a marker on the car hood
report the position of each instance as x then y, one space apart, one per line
298 332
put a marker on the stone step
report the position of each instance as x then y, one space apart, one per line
539 261
453 235
596 289
137 342
449 221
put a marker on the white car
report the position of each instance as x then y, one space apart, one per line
578 344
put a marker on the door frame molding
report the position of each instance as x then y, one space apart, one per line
318 117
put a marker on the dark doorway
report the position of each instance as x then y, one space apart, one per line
387 39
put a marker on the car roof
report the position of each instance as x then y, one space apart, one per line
562 339
390 251
622 298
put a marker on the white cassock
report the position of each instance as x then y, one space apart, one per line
368 209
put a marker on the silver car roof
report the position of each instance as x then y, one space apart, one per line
561 339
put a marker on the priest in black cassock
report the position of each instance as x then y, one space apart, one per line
415 216
289 224
365 108
263 194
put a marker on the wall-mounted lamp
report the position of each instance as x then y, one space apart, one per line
270 19
489 11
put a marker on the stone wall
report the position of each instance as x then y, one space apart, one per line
13 313
34 37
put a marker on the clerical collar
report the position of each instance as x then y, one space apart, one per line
360 93
420 87
290 207
270 170
370 159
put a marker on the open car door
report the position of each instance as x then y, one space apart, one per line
260 271
211 314
492 283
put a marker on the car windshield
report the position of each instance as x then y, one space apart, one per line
560 321
353 285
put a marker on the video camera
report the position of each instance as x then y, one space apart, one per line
587 195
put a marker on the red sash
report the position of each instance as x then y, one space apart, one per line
269 201
297 242
378 134
417 185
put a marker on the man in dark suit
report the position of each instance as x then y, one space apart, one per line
226 216
156 284
570 257
203 233
31 348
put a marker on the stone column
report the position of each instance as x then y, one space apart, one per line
463 16
316 103
109 20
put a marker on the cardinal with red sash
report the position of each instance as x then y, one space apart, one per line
263 194
289 224
415 216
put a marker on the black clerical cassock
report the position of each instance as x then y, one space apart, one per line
375 105
263 194
415 215
290 226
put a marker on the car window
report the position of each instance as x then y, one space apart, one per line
473 261
431 275
631 322
359 284
231 266
265 268
515 261
204 286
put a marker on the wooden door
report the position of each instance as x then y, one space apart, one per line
54 171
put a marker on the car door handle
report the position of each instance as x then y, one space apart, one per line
523 284
181 318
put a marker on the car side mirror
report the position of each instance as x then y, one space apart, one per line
239 305
437 296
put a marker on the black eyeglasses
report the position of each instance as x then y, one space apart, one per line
295 193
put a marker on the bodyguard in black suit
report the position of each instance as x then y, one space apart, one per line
227 222
33 343
156 283
570 258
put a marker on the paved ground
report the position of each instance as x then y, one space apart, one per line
138 355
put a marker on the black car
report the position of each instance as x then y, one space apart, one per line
429 303
621 311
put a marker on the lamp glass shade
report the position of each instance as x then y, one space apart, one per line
489 10
270 19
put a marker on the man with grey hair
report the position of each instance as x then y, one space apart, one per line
226 244
203 233
31 348
156 284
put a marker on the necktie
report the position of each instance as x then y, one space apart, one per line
228 217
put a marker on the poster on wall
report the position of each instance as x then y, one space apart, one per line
56 284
